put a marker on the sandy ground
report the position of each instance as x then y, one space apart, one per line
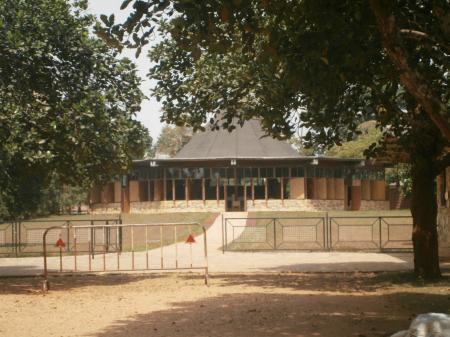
287 304
250 294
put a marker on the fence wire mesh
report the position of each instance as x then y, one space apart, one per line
348 233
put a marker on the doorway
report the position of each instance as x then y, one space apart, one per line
235 199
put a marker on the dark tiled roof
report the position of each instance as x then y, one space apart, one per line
247 141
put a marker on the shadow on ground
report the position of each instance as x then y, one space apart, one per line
331 282
63 283
351 282
275 314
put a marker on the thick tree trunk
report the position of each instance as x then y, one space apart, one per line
424 212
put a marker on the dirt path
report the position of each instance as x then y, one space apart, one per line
238 305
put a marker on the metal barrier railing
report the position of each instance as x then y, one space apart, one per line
137 247
25 237
326 233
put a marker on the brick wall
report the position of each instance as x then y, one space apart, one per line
376 205
258 205
295 205
178 206
397 200
107 208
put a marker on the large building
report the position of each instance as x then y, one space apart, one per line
243 170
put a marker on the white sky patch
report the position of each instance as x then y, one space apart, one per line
150 109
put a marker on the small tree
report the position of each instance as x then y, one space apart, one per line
172 139
357 148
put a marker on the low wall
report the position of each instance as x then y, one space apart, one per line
258 205
106 208
374 205
169 206
295 205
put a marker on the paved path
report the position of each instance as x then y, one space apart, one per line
218 262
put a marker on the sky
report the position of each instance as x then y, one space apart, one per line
151 109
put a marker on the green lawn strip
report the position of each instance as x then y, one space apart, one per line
205 219
262 218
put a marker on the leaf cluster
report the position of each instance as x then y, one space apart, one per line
67 102
320 65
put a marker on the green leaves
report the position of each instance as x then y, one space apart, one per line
125 4
67 103
104 19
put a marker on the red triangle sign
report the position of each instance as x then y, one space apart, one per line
190 239
60 243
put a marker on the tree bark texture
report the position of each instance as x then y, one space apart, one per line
424 212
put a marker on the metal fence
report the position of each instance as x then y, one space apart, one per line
124 247
318 233
25 237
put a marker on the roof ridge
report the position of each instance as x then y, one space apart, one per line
236 145
212 143
252 125
248 141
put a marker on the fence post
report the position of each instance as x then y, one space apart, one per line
92 243
274 234
15 241
205 245
223 238
68 236
106 236
330 236
120 234
226 236
379 227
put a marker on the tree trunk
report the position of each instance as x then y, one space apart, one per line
424 212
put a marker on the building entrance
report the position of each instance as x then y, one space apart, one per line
235 199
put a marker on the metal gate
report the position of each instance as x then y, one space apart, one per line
8 237
24 238
318 233
124 247
388 233
300 233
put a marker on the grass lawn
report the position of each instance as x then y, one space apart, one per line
204 218
284 214
31 231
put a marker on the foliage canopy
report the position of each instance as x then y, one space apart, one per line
337 62
67 102
377 59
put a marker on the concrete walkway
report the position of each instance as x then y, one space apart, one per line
246 262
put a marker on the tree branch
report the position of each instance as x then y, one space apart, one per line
411 79
416 34
442 13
